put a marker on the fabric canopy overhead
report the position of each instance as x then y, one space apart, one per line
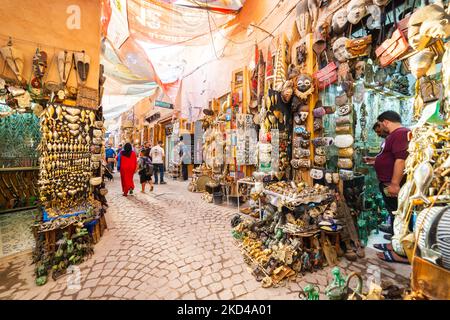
221 6
144 43
163 23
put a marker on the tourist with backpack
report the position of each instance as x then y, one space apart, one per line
145 171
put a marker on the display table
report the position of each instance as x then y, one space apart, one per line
250 183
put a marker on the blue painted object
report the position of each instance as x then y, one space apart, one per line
47 218
90 226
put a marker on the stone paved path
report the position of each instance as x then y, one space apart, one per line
168 245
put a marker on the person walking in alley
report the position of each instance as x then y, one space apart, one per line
157 156
145 171
110 158
128 167
146 149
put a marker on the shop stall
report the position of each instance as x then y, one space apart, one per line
53 154
313 103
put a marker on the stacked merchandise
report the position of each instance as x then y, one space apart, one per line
71 189
294 235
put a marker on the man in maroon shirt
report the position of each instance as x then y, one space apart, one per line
390 165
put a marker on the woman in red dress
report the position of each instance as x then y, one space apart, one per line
128 166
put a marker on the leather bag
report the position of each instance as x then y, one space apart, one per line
346 152
344 141
359 47
301 153
316 174
344 110
343 129
343 120
320 160
430 90
394 47
326 76
345 163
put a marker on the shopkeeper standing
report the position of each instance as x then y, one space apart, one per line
389 166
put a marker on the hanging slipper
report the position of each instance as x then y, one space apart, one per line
391 256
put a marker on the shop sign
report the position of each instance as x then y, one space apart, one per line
163 104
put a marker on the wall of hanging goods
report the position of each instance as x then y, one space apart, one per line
52 121
313 199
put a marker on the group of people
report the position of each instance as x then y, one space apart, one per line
389 166
149 163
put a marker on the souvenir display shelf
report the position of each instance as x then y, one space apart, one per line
250 183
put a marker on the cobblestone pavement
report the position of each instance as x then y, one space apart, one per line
169 244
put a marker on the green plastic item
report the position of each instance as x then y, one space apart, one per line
41 280
339 288
362 231
279 234
310 292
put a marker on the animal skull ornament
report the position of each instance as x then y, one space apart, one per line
339 21
339 49
356 10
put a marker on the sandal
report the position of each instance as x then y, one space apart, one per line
383 246
390 256
350 255
360 252
267 282
393 292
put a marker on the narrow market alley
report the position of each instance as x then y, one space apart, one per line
169 244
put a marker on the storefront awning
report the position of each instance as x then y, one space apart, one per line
153 117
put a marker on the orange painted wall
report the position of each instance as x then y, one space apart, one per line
44 22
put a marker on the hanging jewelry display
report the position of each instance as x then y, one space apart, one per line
66 160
